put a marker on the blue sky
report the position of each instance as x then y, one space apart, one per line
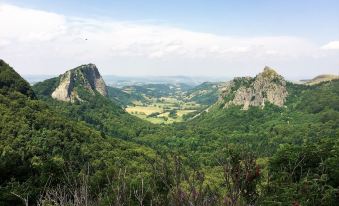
318 19
311 24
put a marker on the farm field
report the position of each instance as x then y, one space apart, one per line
163 103
165 110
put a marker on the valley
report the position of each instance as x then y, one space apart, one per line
259 140
169 104
165 103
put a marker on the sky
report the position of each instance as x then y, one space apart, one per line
299 38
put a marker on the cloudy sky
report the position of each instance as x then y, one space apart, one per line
300 38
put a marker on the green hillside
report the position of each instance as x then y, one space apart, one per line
10 80
303 135
92 148
206 93
123 98
41 147
93 108
45 88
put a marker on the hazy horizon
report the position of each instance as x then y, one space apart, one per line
109 78
207 77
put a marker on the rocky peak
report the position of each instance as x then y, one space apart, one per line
85 76
268 73
267 86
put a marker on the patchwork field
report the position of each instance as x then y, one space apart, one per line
163 110
163 103
143 110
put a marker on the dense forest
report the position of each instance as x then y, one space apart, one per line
92 152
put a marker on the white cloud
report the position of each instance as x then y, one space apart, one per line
29 25
333 45
45 42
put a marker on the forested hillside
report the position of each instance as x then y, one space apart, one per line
123 98
42 148
93 108
90 151
10 80
295 145
206 93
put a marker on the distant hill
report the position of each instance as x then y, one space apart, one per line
157 90
320 78
128 95
122 81
122 97
206 93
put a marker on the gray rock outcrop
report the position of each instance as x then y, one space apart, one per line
85 76
267 86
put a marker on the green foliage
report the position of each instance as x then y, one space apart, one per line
212 159
154 114
206 93
38 145
264 131
173 114
306 174
46 87
155 90
321 97
11 80
96 110
123 98
103 115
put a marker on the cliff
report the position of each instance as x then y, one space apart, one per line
86 77
267 86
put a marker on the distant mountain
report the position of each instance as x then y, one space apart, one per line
157 90
122 81
320 78
11 80
267 86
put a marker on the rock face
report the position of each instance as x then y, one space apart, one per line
85 76
267 86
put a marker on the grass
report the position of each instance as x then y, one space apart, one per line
162 106
147 110
180 113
